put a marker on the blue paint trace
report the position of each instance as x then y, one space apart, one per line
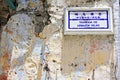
90 19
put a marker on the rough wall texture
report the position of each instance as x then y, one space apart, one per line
88 55
70 58
16 45
116 10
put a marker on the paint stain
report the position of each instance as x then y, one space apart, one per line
6 56
5 66
54 61
88 79
85 64
76 65
61 69
91 50
3 77
14 40
93 45
72 64
9 31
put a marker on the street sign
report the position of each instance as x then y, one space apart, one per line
79 20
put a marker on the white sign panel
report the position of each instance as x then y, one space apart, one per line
88 21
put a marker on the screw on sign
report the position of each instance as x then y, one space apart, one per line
3 77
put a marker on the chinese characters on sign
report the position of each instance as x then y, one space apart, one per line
88 19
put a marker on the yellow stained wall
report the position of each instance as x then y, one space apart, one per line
86 53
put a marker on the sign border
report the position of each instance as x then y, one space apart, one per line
68 31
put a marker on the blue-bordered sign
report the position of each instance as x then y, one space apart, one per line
79 20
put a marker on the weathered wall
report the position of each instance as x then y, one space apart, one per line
88 55
116 10
80 57
16 45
